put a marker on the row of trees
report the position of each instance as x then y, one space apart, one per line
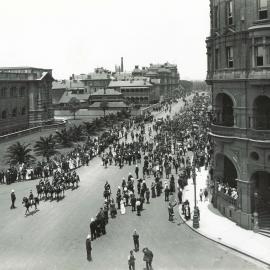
49 146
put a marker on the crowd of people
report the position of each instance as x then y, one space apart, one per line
166 164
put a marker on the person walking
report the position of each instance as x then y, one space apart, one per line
148 257
136 241
137 172
13 199
131 261
88 248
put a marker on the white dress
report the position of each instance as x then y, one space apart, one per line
123 209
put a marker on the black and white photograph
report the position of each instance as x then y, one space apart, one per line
135 135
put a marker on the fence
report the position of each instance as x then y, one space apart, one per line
30 131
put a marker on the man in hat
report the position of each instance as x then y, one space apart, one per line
13 199
136 240
137 172
93 229
88 248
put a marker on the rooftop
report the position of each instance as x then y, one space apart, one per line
111 104
67 84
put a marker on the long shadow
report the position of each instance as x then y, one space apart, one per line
31 213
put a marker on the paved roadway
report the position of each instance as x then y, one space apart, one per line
54 237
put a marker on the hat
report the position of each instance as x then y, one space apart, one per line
92 219
12 190
123 178
88 236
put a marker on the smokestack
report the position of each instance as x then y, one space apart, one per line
122 64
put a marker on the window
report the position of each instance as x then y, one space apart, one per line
22 91
14 112
216 58
259 56
23 111
230 12
262 55
13 92
216 17
262 9
229 54
4 114
3 92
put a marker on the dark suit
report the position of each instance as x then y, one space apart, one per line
88 249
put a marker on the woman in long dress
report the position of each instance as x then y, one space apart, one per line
123 209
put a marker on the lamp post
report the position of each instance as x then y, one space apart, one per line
255 214
196 212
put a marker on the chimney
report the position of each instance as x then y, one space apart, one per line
122 64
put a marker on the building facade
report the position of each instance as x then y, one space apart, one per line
98 79
138 92
25 98
166 74
238 51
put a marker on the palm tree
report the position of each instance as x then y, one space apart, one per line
19 153
74 105
63 137
89 128
76 133
46 147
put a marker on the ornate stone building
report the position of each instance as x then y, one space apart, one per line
238 51
25 98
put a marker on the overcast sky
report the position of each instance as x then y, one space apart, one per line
75 36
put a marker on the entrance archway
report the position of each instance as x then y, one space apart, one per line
223 111
261 113
226 170
261 180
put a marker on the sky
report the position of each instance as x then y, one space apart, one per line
75 36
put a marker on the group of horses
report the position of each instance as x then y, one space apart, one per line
54 190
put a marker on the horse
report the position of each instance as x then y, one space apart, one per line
27 203
40 190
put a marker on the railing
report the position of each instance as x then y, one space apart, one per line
31 130
223 130
228 198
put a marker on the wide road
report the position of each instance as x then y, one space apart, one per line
54 237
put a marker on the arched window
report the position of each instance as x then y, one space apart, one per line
224 111
14 112
261 113
4 114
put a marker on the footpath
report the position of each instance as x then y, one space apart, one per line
220 229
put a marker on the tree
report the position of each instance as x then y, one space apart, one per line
46 147
76 133
64 137
74 106
89 128
19 153
104 106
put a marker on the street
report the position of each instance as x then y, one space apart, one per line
54 237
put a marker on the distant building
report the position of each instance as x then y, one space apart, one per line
63 91
140 91
25 98
238 51
114 99
95 80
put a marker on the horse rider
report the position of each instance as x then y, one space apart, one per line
31 197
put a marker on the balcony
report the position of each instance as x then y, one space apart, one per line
261 135
222 130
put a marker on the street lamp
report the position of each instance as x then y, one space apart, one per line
255 214
196 212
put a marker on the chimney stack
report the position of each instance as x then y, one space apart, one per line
122 64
